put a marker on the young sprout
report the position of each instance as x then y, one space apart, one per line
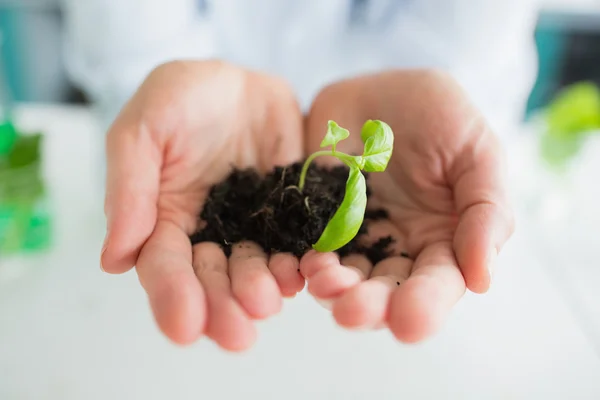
378 140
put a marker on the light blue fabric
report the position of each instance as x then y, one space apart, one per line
32 50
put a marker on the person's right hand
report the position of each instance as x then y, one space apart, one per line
180 134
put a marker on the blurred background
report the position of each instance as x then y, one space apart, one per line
69 332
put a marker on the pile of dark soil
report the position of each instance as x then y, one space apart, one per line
271 211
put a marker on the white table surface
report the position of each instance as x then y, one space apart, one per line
68 331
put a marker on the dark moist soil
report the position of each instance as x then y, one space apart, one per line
270 210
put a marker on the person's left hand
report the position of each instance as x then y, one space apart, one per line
443 189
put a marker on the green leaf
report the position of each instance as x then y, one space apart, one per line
369 129
334 135
348 218
379 144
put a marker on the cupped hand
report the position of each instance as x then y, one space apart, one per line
183 130
445 194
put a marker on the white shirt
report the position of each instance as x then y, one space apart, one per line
486 44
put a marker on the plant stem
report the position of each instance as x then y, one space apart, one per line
341 156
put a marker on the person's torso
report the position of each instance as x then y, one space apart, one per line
486 44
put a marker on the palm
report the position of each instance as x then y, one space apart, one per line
442 193
186 138
419 218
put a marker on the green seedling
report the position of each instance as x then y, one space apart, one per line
378 140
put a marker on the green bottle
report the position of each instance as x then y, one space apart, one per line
25 220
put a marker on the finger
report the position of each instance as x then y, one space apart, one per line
366 305
327 278
481 232
358 262
286 270
133 176
395 269
485 218
420 304
165 271
228 324
252 283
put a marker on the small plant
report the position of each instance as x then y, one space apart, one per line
378 140
298 207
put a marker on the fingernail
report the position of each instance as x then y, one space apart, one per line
491 263
104 245
364 328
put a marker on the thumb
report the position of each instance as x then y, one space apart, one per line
485 221
132 187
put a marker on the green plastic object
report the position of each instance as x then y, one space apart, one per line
25 227
575 111
570 118
25 219
8 136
